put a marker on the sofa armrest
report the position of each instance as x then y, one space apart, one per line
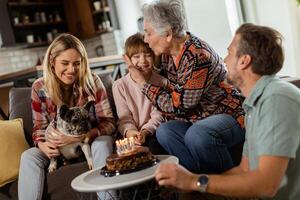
19 107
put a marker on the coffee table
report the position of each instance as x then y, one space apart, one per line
93 181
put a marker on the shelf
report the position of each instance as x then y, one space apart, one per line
106 9
102 31
21 25
40 3
37 44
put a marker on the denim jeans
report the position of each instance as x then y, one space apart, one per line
34 163
202 147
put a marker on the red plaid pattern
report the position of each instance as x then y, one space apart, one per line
44 110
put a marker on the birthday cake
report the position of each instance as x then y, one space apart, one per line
128 158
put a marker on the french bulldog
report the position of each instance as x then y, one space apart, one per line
74 121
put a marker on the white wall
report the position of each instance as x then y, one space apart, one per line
208 20
128 12
284 16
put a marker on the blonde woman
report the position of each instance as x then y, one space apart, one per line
67 79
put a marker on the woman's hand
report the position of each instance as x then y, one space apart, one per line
59 139
135 74
174 175
49 149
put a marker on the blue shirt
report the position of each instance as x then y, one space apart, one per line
272 124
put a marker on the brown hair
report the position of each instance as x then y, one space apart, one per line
135 44
264 45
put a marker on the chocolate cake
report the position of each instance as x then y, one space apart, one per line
131 160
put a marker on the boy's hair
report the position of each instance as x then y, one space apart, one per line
135 44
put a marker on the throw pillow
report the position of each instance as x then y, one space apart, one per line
13 143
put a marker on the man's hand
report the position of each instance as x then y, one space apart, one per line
174 175
49 149
135 74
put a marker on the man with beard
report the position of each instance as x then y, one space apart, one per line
270 165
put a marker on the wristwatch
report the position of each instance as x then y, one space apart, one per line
202 182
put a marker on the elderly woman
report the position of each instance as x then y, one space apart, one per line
204 113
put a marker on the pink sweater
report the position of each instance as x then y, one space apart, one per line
134 109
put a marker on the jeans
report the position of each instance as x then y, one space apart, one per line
202 147
34 163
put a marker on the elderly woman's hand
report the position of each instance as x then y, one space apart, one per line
135 74
174 175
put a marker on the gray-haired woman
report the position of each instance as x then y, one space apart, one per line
204 113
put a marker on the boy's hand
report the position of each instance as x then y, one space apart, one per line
141 137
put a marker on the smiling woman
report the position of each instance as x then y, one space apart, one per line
66 66
67 80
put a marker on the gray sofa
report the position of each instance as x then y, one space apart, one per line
58 183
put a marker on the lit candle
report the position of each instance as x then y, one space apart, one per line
119 150
131 143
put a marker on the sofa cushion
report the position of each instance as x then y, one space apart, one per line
107 82
13 144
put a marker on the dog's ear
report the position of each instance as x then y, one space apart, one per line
63 111
89 106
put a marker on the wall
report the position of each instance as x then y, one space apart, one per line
128 12
283 16
208 20
17 58
14 59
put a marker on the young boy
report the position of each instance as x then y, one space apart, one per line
138 118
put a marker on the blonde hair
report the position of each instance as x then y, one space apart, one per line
85 80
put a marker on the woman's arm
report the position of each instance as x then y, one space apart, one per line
39 115
193 78
41 118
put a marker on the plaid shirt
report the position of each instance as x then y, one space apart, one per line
196 87
44 110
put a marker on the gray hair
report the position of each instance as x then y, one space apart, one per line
166 14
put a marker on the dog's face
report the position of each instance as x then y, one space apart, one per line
74 120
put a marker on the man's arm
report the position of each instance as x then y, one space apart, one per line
263 182
243 167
